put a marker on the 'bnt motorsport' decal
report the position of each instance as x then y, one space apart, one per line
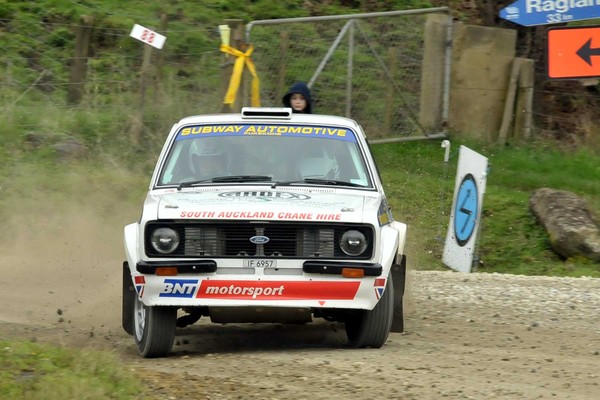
277 290
181 288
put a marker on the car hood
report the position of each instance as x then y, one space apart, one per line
275 204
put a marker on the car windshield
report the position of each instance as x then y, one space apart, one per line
275 154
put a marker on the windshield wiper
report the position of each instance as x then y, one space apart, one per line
228 178
242 178
192 183
317 182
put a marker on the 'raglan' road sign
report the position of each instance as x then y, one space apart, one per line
544 12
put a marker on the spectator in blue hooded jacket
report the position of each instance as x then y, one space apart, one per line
298 98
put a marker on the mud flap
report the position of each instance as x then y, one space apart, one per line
398 273
128 298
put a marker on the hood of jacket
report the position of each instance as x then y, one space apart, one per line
302 88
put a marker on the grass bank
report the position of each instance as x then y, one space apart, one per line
420 189
32 370
38 189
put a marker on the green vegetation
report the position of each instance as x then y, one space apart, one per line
420 189
418 184
37 188
34 371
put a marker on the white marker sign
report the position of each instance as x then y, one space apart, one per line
147 36
471 178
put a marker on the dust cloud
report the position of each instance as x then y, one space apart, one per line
61 260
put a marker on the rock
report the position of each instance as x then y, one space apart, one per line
35 140
572 227
70 150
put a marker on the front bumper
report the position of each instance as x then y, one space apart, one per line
315 285
310 267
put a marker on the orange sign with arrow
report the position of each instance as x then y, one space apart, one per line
573 52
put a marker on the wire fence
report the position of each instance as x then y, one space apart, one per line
184 78
365 68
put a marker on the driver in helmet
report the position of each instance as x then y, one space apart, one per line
209 162
319 164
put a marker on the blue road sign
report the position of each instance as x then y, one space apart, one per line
465 212
544 12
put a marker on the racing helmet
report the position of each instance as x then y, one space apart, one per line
318 163
208 159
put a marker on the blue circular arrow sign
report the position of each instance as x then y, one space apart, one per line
465 211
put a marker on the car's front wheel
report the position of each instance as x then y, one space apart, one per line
370 328
154 329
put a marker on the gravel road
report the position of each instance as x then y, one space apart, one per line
468 336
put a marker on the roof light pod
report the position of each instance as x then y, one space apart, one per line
267 113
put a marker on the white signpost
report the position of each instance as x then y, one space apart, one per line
148 36
471 177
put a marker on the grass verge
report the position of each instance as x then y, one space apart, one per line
32 370
420 188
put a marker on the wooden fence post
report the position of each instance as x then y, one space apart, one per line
79 65
389 93
509 103
284 45
137 126
523 115
160 59
519 102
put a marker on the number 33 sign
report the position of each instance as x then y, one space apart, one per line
147 36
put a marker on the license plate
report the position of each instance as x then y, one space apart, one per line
258 263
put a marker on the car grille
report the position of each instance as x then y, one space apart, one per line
207 239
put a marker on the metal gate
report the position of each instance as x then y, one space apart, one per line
364 66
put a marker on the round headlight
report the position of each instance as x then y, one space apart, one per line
164 240
353 243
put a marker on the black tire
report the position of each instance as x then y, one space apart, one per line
128 299
366 328
154 329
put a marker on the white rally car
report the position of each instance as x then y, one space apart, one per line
264 216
